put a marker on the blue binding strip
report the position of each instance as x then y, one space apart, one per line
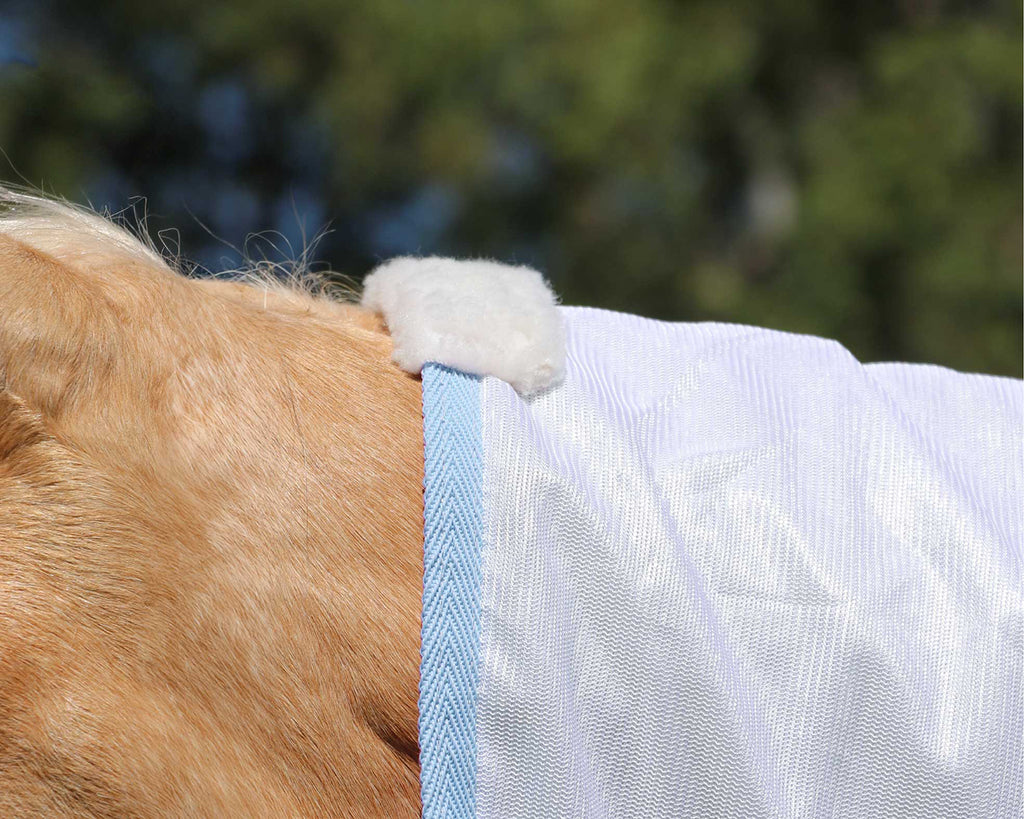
450 647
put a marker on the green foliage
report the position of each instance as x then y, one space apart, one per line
849 171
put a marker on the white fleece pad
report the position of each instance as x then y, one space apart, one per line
480 317
723 572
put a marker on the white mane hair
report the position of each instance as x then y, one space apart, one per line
72 232
76 233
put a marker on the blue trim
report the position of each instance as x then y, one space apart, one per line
450 648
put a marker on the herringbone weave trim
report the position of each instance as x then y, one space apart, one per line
451 592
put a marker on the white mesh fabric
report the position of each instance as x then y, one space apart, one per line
730 572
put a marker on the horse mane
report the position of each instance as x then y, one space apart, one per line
73 233
79 235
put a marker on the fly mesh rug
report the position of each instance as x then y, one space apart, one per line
722 572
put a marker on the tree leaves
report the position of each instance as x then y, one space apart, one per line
850 171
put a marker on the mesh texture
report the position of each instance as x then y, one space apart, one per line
733 572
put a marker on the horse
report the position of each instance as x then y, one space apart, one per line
210 538
251 564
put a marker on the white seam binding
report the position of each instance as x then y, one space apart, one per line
477 316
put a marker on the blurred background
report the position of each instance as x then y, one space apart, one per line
851 170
